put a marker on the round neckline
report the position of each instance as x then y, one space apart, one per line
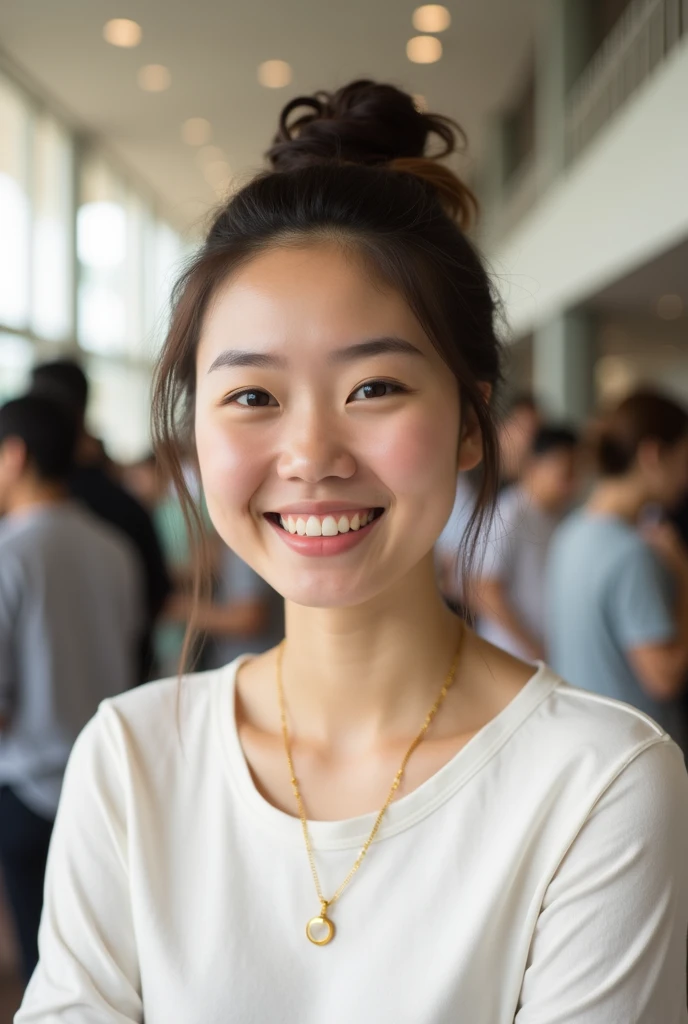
402 813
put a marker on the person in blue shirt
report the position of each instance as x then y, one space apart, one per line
618 576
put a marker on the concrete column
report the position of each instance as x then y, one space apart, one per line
563 365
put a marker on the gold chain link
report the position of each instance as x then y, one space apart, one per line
395 785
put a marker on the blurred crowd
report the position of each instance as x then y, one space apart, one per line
584 564
96 581
585 561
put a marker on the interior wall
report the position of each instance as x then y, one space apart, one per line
622 202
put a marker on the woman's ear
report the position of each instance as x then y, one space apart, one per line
471 441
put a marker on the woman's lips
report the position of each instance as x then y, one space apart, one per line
319 546
326 524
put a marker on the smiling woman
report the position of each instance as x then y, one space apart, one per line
471 838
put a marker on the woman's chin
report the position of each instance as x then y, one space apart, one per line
332 590
319 598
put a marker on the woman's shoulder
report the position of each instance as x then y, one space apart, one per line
540 726
156 740
150 699
582 729
165 716
575 748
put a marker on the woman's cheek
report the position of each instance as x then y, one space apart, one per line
230 470
416 454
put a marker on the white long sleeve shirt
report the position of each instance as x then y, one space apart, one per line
541 877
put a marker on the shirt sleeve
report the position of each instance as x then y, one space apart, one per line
642 601
88 968
610 941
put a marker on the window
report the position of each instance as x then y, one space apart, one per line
166 263
110 223
119 409
86 263
101 238
16 357
52 271
14 207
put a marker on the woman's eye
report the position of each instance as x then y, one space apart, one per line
376 389
253 398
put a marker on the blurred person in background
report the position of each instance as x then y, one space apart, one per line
679 517
517 429
246 614
242 612
509 592
70 621
455 823
94 483
618 576
450 549
145 481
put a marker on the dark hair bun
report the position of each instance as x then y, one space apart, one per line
377 125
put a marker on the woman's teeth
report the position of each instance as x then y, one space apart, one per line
325 526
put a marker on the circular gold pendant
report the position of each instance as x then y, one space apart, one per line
318 923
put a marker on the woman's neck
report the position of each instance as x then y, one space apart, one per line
372 670
624 498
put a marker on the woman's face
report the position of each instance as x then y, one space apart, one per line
326 427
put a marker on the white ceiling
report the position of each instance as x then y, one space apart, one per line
213 47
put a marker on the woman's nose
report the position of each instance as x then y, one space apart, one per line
313 448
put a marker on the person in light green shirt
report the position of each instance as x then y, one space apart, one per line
243 612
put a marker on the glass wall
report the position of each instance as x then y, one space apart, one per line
52 264
15 207
87 261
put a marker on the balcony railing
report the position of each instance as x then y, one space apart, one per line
646 33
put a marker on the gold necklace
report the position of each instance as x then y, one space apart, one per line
322 920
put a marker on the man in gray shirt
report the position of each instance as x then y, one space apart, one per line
510 591
70 623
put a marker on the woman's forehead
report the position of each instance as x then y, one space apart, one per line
303 297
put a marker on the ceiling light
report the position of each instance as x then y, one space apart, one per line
670 307
274 74
431 18
420 103
154 78
122 32
424 49
196 131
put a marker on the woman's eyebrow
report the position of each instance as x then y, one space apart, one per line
239 357
374 347
360 350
